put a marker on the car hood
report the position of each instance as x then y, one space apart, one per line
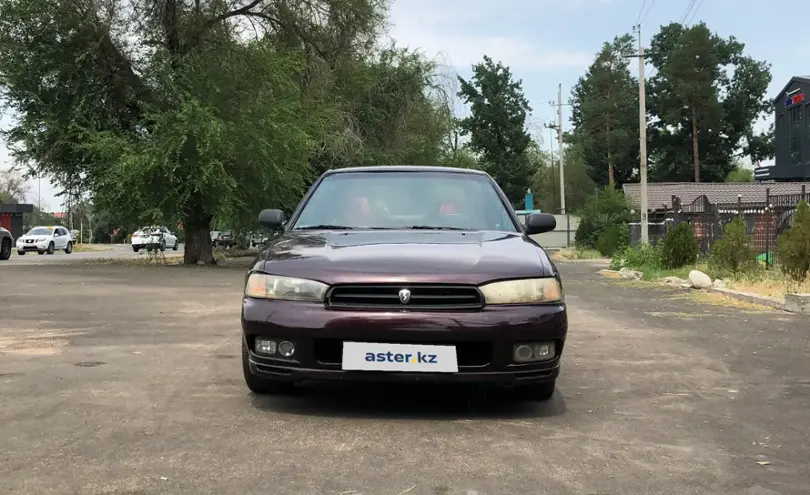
404 256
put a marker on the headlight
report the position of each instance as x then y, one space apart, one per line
526 291
264 286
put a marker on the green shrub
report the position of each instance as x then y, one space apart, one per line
607 208
613 239
733 252
637 257
793 247
679 247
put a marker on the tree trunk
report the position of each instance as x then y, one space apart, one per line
695 151
198 239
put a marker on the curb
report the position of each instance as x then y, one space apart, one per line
771 302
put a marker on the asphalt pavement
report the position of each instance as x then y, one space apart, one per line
127 380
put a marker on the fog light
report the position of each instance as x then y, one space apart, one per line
532 351
263 346
286 348
523 353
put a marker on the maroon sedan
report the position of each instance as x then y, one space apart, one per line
403 274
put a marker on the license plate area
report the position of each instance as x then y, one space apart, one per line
416 358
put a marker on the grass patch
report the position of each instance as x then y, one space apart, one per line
653 273
90 248
140 261
768 283
234 252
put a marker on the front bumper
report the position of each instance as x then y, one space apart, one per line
484 340
34 246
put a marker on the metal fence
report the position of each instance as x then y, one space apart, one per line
765 221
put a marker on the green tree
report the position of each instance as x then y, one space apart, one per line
171 112
740 174
705 96
578 184
605 115
793 246
497 126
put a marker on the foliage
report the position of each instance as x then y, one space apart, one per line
13 188
679 247
739 174
601 211
705 97
733 252
173 113
605 115
497 125
613 239
640 256
546 180
794 244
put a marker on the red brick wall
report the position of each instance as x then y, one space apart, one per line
5 221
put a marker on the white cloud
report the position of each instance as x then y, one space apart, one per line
460 33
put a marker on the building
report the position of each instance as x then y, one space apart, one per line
11 217
660 194
792 134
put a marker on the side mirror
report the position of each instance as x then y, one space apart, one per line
538 223
272 219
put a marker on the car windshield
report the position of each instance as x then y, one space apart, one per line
40 231
406 200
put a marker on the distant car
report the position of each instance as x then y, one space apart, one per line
6 242
45 240
224 238
258 239
159 237
441 283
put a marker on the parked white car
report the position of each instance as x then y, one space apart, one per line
154 236
45 240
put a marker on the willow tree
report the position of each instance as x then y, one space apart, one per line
172 110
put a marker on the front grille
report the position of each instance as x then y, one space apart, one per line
419 297
468 354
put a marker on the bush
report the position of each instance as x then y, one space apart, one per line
607 208
679 248
733 251
613 239
636 257
793 247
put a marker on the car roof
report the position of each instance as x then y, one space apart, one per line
405 168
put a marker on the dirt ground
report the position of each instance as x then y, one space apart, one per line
127 380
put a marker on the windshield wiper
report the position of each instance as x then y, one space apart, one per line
325 227
432 227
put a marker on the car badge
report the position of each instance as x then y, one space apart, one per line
404 296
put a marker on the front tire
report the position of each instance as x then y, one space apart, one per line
540 392
260 385
174 248
51 248
21 253
69 248
5 249
136 248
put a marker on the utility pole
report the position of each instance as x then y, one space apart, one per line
551 157
559 104
642 138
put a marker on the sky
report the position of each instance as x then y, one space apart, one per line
550 42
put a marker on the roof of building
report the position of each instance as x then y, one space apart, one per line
804 79
659 194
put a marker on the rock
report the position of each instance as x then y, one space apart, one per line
719 284
699 279
629 274
674 281
797 303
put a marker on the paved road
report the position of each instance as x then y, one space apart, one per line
110 251
121 380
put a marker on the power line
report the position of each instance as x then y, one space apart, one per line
687 11
641 21
640 11
694 13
